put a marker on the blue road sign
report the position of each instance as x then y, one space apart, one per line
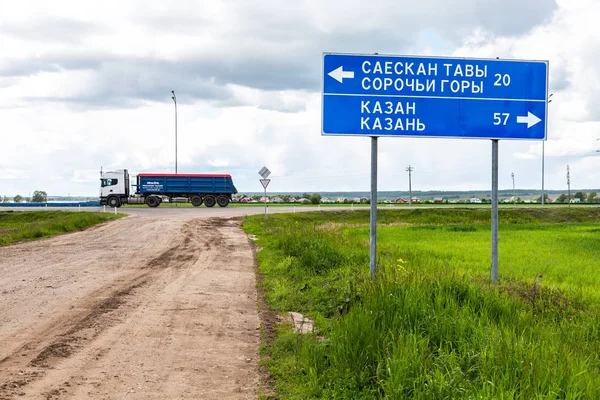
381 95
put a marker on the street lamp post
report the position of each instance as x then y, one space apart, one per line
175 101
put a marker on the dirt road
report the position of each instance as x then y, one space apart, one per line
146 307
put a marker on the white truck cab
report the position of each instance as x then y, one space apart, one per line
114 187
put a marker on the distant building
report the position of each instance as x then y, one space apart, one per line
438 199
475 200
243 199
277 199
400 200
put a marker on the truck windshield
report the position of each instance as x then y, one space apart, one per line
108 182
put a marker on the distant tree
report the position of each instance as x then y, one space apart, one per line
315 198
581 196
18 198
5 199
592 197
39 196
539 199
562 198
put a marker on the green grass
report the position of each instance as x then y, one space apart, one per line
17 226
260 205
380 206
430 325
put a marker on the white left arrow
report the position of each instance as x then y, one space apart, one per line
530 120
339 74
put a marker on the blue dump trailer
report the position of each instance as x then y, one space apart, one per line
153 189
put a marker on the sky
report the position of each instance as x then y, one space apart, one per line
87 85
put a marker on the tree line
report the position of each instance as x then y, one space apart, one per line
592 197
39 196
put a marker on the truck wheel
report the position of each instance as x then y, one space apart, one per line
222 201
152 201
209 201
196 201
114 202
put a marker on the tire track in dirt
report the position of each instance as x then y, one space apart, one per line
75 332
73 336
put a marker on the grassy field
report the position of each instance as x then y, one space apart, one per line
380 206
430 325
17 226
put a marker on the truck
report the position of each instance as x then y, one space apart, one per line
152 189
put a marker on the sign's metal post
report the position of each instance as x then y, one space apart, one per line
495 211
373 242
265 183
264 172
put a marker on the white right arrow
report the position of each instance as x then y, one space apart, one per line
339 74
530 120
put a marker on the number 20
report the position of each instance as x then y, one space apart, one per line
502 80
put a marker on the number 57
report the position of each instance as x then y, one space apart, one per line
498 118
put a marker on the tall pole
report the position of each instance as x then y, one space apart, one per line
569 185
495 211
512 174
175 101
409 169
373 244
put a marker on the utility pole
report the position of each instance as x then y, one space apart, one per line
175 101
409 169
569 185
512 175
